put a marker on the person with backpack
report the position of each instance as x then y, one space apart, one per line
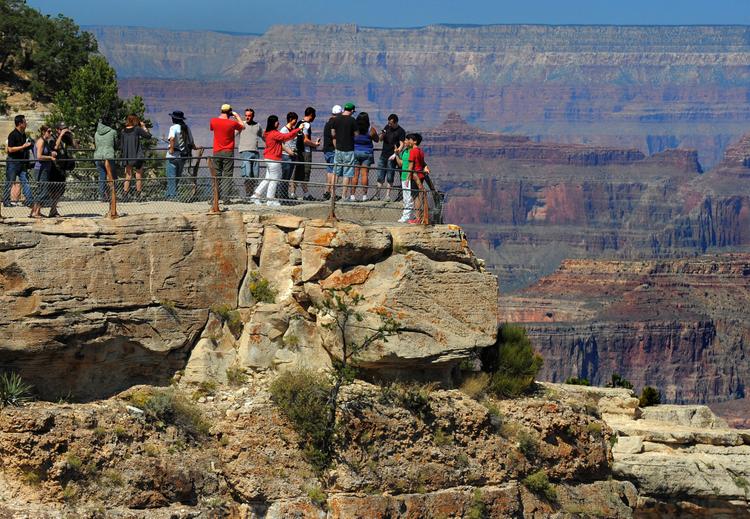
304 145
181 145
44 155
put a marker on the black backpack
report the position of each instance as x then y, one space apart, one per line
300 139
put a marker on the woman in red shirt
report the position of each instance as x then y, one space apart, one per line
272 155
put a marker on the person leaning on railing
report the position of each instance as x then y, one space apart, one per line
272 155
104 154
45 156
180 148
19 147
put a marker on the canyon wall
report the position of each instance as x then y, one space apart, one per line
679 325
650 88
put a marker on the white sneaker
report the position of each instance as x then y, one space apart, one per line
273 203
403 220
254 199
364 198
293 195
352 198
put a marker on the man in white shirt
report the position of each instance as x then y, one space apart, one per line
250 138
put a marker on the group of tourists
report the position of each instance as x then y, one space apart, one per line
48 156
348 149
347 144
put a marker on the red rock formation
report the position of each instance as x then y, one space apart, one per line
679 325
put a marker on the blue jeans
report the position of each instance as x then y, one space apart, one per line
16 170
103 191
174 171
250 169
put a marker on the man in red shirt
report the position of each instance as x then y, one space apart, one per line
224 128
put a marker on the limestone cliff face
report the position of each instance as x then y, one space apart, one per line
95 306
679 325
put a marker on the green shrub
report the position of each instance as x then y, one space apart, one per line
260 289
649 396
528 445
317 496
477 508
512 362
4 106
618 381
539 484
168 407
302 396
412 396
231 317
13 390
575 381
475 385
594 428
442 438
236 376
205 388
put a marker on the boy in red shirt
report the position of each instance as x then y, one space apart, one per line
419 176
224 128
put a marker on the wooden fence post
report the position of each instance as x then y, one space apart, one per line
215 182
112 190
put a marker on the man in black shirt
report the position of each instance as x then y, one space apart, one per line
342 131
19 146
329 151
391 136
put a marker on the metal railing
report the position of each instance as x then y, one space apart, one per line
199 184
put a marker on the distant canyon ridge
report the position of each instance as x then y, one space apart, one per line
649 88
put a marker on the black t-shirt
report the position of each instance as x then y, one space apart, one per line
327 139
345 126
15 139
392 138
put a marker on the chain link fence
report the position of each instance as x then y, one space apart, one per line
212 184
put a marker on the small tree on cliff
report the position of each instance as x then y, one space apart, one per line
511 361
313 407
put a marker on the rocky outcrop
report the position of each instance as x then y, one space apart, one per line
679 325
107 304
684 461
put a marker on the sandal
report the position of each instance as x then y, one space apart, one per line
53 214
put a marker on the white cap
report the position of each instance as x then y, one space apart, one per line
336 109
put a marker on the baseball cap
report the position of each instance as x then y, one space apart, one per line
349 107
226 107
177 114
61 125
336 109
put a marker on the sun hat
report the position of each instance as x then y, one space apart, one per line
336 109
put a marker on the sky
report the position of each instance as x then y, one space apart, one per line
254 16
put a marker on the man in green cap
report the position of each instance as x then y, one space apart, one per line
343 129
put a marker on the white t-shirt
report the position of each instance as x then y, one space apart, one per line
287 144
306 130
175 132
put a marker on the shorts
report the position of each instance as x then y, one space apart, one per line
344 164
364 158
135 163
302 171
386 170
329 156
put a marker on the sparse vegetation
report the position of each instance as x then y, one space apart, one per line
413 396
742 483
477 508
511 362
539 484
205 388
442 438
303 397
619 381
32 477
528 445
260 288
13 390
475 386
317 496
231 317
236 376
165 407
649 396
496 417
4 106
575 381
594 428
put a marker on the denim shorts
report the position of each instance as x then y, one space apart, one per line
364 158
329 156
387 170
344 164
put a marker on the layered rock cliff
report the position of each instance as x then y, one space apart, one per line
109 304
678 325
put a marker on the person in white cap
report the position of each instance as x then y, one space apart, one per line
224 128
329 151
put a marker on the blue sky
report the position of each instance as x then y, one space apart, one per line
253 16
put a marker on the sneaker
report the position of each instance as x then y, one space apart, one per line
273 203
326 196
254 199
403 220
293 195
364 198
308 197
338 198
352 198
414 220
